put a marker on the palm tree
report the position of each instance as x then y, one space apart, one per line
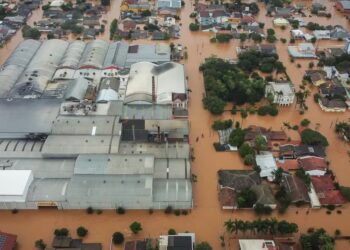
230 226
260 143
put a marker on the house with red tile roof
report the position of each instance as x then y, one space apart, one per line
326 192
313 165
7 241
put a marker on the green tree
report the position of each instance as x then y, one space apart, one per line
29 32
203 246
194 27
135 227
312 137
317 239
270 32
82 231
40 244
246 198
242 37
214 104
260 143
120 210
237 137
171 231
113 28
249 159
61 232
118 238
244 114
305 122
50 36
245 149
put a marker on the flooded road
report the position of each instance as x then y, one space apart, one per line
207 218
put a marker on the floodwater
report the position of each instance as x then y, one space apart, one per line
206 219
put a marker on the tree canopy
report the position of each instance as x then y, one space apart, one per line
318 239
228 82
312 137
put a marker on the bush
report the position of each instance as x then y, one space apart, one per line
61 232
222 125
311 65
118 238
168 210
135 227
337 232
177 212
82 231
194 27
89 210
40 244
345 191
120 210
292 40
316 97
312 137
184 212
150 211
295 127
283 40
203 246
305 122
171 231
261 209
99 211
223 38
14 211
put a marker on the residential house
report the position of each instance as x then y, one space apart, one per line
269 49
135 245
332 91
232 182
173 4
272 137
265 195
332 105
283 92
129 25
67 243
208 17
91 22
283 12
295 188
287 164
313 165
316 77
247 19
267 165
159 35
343 6
297 34
339 33
326 191
292 151
280 22
180 241
89 33
322 34
135 6
7 241
302 50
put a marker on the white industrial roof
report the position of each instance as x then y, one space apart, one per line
14 182
169 78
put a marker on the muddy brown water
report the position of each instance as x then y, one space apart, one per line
206 219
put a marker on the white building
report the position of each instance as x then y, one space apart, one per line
257 244
283 92
267 165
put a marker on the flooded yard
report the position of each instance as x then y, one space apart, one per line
207 218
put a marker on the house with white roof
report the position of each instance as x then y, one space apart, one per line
283 92
267 165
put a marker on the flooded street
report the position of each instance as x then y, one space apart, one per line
207 218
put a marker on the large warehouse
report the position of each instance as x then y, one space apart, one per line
71 142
